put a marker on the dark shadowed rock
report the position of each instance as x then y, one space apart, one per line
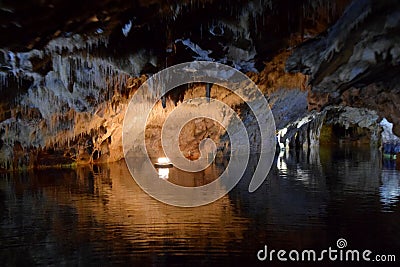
357 61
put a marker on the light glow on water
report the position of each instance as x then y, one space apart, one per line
308 201
390 188
163 173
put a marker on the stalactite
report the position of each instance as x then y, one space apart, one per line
65 97
81 80
208 91
3 80
164 101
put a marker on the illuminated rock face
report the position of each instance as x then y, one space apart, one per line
357 62
74 112
65 84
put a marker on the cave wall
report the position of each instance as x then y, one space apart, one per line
67 74
348 125
356 61
72 112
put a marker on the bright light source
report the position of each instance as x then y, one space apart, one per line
163 160
163 163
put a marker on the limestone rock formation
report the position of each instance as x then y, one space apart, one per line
67 73
391 143
357 61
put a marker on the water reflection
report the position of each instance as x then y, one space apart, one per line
194 179
390 188
355 170
98 215
163 173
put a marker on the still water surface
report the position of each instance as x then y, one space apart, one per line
99 216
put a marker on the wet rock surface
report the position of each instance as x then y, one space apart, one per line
356 62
